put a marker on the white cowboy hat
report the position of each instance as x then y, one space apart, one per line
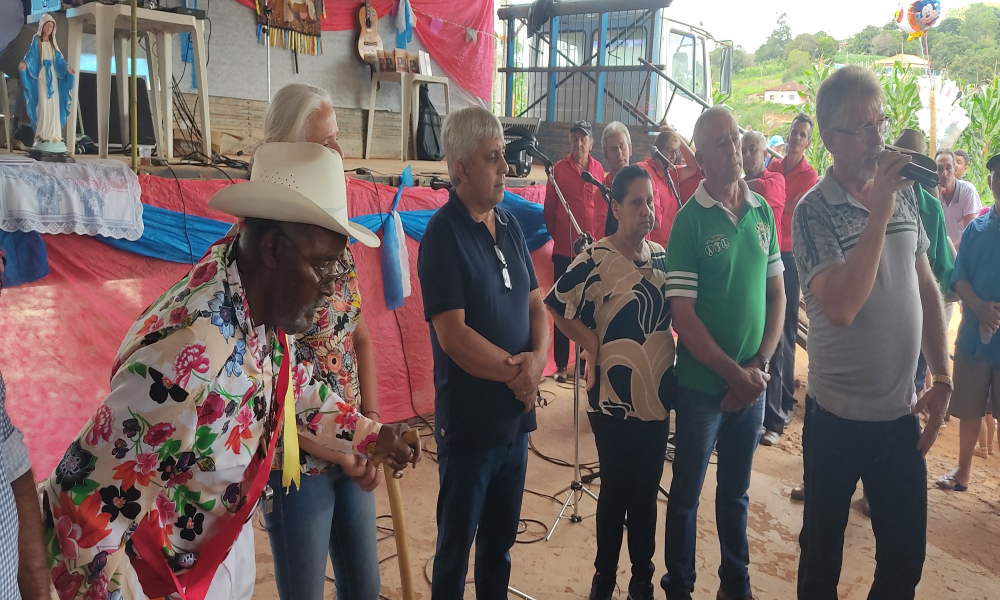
294 182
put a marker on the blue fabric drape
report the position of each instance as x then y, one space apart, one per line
27 258
166 237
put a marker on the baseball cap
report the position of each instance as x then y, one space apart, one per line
776 140
583 126
993 163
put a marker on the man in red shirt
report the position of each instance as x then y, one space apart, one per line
668 180
800 177
616 141
769 184
581 198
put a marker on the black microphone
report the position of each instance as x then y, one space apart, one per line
914 172
660 157
534 151
588 177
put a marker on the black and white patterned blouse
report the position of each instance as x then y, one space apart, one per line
624 303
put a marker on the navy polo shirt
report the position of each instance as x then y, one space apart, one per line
459 269
977 263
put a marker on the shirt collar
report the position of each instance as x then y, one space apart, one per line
707 201
233 285
833 192
465 216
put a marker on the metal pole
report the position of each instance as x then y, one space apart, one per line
134 91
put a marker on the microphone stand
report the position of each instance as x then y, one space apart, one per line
576 489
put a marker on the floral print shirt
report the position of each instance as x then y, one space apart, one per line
325 371
191 402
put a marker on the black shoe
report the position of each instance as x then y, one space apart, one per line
602 587
640 590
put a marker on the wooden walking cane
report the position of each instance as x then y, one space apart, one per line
399 522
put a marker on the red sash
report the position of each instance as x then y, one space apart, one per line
158 580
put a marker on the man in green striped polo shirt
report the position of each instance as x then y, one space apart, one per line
728 302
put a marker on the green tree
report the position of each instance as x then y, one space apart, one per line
977 66
952 25
886 43
777 42
826 46
804 42
980 24
861 42
798 62
946 48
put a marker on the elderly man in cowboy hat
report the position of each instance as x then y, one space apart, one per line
154 495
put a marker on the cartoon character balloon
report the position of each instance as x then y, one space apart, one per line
918 17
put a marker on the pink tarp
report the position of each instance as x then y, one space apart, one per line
59 335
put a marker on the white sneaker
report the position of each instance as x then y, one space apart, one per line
770 438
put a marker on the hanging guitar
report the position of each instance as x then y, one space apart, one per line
369 42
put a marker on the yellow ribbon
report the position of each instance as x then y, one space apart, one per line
290 471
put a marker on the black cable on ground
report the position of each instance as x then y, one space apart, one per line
187 235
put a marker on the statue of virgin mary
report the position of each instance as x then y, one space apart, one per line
47 83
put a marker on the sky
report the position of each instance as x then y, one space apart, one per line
749 23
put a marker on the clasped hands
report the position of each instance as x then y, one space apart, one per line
525 384
745 386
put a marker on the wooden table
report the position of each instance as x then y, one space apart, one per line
112 25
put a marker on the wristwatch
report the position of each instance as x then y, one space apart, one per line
945 379
765 362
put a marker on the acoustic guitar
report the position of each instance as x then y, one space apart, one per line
369 42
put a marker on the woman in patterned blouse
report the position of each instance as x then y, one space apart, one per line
611 302
333 512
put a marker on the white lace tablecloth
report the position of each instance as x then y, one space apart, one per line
86 198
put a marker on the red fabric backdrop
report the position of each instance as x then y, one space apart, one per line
59 335
468 64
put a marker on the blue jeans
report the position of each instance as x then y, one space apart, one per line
479 499
328 514
701 427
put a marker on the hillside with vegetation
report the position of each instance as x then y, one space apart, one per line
964 47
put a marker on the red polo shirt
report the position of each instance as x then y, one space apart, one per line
797 183
665 199
601 210
581 197
771 185
689 185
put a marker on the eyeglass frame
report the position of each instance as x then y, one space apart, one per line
503 268
324 275
883 127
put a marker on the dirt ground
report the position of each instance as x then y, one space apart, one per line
963 538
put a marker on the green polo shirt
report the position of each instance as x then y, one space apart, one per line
723 261
939 253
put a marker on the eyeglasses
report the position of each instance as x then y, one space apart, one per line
335 270
882 127
503 268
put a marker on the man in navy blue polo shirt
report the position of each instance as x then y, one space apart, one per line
490 336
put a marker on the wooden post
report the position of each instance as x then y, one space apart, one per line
933 128
134 93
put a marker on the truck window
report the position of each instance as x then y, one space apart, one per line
626 49
681 61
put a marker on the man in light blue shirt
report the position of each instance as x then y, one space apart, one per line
977 349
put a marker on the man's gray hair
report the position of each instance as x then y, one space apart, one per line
700 124
291 111
756 136
463 130
848 89
616 127
946 152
